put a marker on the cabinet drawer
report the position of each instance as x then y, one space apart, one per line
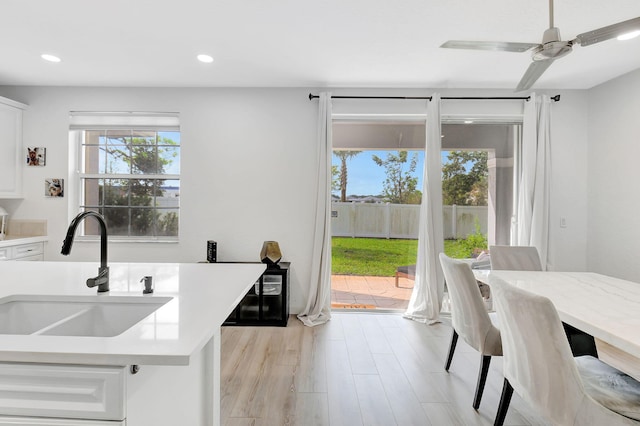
62 391
24 250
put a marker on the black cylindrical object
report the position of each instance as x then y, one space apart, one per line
212 251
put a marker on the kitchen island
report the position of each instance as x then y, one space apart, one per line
162 370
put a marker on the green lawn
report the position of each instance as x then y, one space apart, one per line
380 257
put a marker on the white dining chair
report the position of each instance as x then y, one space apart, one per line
515 258
539 367
470 319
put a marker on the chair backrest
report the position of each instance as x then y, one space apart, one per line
537 359
469 315
515 258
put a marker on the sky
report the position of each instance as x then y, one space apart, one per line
364 177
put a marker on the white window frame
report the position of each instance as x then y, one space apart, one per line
84 121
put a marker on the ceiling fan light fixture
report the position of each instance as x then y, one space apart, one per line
629 35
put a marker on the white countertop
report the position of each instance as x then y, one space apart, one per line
203 297
11 240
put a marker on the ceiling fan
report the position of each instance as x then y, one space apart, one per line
552 47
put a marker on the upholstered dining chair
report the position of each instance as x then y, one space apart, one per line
470 319
538 366
516 258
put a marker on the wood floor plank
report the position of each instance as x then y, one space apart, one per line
375 407
404 403
442 413
311 372
344 406
360 356
312 409
307 376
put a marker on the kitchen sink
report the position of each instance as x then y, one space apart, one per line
95 316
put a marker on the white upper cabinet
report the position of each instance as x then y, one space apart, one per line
11 154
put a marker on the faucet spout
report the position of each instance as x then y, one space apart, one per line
102 280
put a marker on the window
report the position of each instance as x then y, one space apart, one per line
129 171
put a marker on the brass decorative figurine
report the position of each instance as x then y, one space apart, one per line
270 254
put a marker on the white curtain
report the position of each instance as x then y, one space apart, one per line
318 309
428 291
531 216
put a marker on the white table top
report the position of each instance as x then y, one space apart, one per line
203 297
607 308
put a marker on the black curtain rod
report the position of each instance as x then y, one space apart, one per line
555 98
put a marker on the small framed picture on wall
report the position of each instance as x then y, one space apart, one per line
54 187
36 156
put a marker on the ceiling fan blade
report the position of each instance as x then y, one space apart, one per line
498 46
608 32
533 73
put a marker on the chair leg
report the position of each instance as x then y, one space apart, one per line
505 399
452 348
482 378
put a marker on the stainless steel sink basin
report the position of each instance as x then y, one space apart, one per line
96 316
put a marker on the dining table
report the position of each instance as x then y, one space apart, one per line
604 307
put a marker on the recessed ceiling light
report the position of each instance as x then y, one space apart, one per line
468 121
629 36
205 58
50 58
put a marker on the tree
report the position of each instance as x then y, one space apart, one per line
344 156
399 185
464 178
142 157
335 178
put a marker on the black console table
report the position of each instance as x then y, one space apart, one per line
267 302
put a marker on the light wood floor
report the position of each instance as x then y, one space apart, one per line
358 369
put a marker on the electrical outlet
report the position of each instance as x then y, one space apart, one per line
563 222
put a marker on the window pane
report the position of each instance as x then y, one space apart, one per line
169 194
142 192
92 191
118 157
167 224
117 219
116 192
143 221
144 159
169 160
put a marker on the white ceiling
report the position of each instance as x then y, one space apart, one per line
302 43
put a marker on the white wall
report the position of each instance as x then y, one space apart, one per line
248 168
248 157
614 174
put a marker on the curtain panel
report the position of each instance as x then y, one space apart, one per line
428 291
318 308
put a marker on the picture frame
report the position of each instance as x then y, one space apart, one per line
54 187
36 156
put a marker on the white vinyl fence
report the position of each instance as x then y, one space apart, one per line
401 220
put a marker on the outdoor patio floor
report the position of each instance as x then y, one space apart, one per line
376 292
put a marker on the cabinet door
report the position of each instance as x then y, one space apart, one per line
11 148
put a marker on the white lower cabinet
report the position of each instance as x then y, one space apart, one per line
88 395
30 251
